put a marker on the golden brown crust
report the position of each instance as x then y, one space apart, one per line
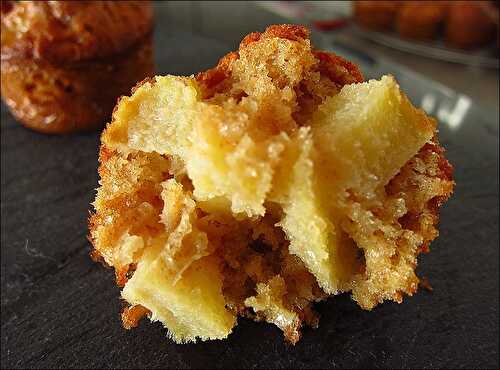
291 32
71 31
64 63
126 184
77 97
469 24
422 185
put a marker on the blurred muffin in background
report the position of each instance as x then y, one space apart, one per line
462 24
64 64
420 20
376 15
471 23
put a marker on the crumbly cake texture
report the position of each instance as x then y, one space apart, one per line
264 185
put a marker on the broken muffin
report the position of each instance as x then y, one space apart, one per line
263 185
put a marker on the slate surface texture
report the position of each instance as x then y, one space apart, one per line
61 310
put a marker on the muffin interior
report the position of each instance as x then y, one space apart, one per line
263 185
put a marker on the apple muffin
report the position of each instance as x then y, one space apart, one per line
261 186
65 63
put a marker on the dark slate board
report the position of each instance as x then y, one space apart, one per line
61 310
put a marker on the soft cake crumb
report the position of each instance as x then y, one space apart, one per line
266 184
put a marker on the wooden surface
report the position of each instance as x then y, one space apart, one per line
61 310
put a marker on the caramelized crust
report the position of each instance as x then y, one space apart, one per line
471 24
432 174
376 15
466 24
337 69
64 63
132 315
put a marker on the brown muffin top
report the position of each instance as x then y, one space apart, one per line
71 31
